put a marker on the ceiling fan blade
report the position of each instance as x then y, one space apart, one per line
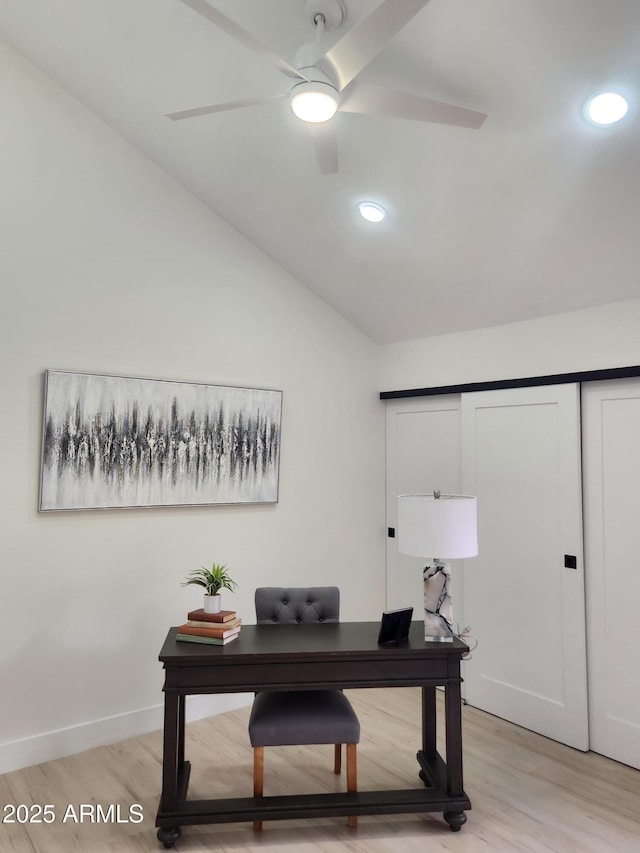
374 100
325 142
219 108
361 44
231 28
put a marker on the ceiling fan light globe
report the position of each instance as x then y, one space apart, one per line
314 102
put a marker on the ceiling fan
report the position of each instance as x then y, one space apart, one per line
326 82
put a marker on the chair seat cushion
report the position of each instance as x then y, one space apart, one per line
281 718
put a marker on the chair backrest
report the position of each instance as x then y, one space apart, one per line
286 605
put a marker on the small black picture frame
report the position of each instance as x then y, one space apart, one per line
394 628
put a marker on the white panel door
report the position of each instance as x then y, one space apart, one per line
521 457
611 435
423 454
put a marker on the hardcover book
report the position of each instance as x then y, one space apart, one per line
220 632
232 623
220 616
213 641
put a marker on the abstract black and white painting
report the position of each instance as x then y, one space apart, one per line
113 441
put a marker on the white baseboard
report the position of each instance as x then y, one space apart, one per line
56 744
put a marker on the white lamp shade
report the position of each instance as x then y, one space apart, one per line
444 527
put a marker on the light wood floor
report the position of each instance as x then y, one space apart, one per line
528 793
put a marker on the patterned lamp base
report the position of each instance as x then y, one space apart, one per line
438 607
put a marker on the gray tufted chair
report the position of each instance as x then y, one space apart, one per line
280 717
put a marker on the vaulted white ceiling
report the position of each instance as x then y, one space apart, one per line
535 213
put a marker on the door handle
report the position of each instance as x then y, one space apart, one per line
570 561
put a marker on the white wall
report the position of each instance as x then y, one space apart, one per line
108 266
591 339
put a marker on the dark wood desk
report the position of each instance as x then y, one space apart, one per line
290 657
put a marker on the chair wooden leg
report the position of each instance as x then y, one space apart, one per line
337 759
352 778
258 779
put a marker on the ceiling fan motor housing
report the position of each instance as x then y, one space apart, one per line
314 75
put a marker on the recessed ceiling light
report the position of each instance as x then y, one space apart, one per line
606 108
371 211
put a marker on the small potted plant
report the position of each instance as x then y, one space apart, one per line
213 580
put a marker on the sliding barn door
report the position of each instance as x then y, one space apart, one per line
524 593
611 430
423 454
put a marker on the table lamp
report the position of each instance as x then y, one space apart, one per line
442 525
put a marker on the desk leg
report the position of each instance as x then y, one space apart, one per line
181 721
453 718
172 763
427 757
429 721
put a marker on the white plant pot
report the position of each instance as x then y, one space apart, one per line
212 603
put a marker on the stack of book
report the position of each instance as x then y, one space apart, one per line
218 629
